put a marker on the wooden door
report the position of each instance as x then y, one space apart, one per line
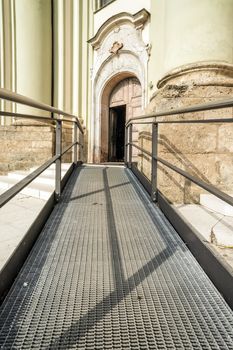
116 134
128 92
112 134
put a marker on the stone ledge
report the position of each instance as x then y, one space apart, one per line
200 73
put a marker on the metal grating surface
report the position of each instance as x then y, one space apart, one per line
109 272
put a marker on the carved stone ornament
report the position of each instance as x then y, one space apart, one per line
116 47
138 20
148 49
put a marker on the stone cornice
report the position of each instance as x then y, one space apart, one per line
138 20
216 67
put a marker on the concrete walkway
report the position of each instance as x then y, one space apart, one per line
15 219
19 213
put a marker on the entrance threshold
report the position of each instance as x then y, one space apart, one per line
114 164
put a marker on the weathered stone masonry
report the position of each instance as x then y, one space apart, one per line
204 150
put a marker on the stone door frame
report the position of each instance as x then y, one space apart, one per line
101 107
104 111
120 52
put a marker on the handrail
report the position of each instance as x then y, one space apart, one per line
197 121
17 98
69 147
208 187
9 194
36 117
226 103
140 149
26 116
214 266
14 190
11 96
154 157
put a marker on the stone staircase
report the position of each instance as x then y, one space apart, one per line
215 204
41 187
213 220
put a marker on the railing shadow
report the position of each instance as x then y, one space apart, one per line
97 191
188 166
123 286
176 153
182 158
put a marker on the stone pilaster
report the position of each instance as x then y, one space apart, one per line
204 150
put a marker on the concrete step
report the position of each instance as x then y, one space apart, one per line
36 190
215 204
19 213
215 228
47 177
16 218
64 166
41 187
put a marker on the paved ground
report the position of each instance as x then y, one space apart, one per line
109 272
15 219
20 212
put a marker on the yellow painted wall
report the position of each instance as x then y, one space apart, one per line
187 31
117 6
73 23
8 53
180 31
33 49
87 60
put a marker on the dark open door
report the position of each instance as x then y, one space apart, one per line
116 133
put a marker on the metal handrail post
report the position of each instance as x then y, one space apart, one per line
126 146
130 144
58 161
75 141
154 165
81 145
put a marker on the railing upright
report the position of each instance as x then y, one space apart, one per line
62 116
81 144
75 130
58 161
130 144
154 165
126 146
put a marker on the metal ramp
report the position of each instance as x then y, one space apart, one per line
109 272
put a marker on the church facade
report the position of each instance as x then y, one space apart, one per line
107 61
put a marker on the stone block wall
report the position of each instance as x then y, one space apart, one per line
24 146
67 139
203 150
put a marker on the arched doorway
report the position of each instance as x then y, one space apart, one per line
122 102
125 31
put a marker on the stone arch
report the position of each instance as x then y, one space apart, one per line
107 102
110 66
137 21
119 67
